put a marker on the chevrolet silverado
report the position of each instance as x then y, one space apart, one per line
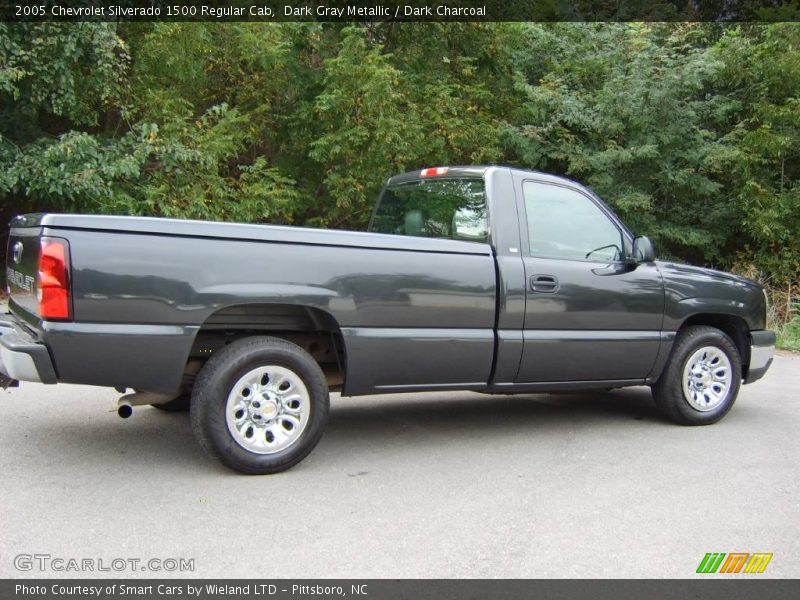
488 279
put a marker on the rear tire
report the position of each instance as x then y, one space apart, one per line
259 405
702 378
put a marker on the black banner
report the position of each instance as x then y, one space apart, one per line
406 589
407 10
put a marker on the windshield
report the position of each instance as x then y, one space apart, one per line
442 208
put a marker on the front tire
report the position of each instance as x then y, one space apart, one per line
259 405
702 378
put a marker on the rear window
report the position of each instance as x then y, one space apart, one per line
439 208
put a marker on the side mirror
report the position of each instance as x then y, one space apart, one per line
642 250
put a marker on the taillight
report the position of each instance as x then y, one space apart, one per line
53 279
433 172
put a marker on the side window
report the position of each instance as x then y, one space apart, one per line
564 223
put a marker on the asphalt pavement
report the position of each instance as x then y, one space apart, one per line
420 485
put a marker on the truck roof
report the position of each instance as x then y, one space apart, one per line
476 171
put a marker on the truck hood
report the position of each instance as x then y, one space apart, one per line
667 268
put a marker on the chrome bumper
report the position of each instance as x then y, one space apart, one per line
762 350
22 357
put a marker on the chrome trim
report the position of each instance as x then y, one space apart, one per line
16 252
18 365
707 378
268 409
760 356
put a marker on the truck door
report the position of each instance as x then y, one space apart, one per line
589 316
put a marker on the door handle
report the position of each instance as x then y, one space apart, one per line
544 284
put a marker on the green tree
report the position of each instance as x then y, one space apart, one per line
623 107
366 127
761 141
55 77
689 130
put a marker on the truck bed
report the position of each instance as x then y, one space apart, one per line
142 289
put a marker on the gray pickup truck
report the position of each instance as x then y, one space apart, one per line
488 279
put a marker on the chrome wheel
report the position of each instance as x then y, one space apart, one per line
268 409
707 378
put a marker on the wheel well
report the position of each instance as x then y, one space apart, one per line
314 330
735 327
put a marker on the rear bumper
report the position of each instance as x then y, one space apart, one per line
762 350
22 357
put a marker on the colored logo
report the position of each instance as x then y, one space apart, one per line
735 562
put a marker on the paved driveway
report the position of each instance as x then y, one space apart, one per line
423 485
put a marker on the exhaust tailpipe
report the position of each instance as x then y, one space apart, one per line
126 403
124 409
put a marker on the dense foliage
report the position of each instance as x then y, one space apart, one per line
689 130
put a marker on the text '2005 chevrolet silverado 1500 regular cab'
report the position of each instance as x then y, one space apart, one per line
470 278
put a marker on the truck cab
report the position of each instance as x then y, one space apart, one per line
582 301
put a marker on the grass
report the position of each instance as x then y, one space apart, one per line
783 317
789 335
